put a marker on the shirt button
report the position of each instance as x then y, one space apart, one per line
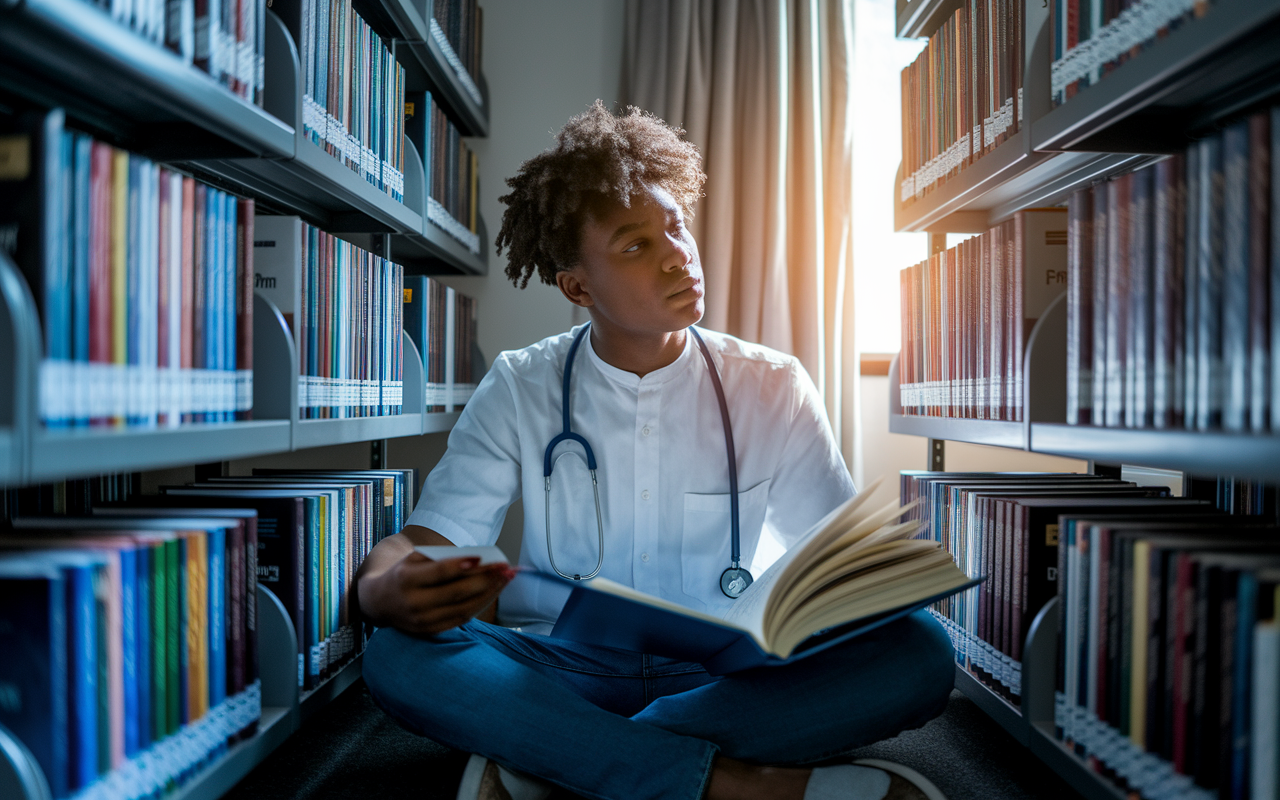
645 494
644 556
644 431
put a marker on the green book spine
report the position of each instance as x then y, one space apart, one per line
159 643
173 633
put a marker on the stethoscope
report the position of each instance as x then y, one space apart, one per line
735 579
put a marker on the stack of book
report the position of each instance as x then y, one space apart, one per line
962 97
130 647
967 312
1169 675
1004 527
353 90
452 169
1092 37
315 529
462 23
1173 287
143 278
343 306
442 323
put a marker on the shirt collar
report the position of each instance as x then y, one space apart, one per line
655 378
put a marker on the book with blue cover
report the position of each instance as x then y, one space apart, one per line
854 571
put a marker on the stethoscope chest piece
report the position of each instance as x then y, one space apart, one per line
734 581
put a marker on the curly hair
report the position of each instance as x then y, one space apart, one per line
598 157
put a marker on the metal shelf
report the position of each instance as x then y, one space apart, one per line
73 54
80 452
918 18
1206 69
1244 455
996 433
323 432
434 252
312 701
439 421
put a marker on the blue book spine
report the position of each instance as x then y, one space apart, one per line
313 595
80 264
1235 276
216 628
33 673
229 312
129 648
1241 725
1209 302
212 281
143 599
82 636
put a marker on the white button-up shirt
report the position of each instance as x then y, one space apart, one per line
661 464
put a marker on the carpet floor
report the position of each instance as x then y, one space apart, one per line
353 750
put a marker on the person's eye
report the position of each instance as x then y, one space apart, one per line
635 248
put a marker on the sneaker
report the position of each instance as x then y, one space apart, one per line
488 780
870 779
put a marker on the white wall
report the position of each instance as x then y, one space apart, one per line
884 453
545 61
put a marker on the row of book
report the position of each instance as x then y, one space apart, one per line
442 324
130 647
1169 675
1092 37
134 628
1174 286
225 38
994 525
143 279
1168 671
353 90
343 305
962 96
967 313
461 22
452 169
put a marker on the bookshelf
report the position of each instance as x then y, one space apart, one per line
72 54
1182 85
111 81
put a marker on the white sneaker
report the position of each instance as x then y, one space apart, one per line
488 780
870 779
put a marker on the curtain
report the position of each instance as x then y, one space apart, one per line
762 87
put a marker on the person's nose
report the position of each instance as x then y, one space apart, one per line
680 254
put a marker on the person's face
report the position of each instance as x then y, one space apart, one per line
638 271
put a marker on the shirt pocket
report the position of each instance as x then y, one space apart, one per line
575 536
706 543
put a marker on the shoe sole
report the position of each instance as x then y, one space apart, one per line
469 788
921 782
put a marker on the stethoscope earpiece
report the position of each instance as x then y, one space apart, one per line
734 580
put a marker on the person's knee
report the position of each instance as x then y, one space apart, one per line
936 663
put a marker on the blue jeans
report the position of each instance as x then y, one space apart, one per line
612 724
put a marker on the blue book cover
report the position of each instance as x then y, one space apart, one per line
216 629
597 613
314 597
80 259
144 598
416 295
33 673
83 668
1235 276
212 280
129 645
229 310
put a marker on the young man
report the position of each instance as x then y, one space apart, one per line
602 216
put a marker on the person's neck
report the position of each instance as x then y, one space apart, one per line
638 354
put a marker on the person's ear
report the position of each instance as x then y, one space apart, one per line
574 288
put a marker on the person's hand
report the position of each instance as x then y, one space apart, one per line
419 596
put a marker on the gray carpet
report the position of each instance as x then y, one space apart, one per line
353 750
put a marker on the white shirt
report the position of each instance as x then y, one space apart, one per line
661 464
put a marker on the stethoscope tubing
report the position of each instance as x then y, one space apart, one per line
567 434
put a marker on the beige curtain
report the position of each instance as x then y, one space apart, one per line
762 88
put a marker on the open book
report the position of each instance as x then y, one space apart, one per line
854 571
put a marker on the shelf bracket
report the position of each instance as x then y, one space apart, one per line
937 454
378 454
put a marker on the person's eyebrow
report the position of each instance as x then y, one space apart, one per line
623 230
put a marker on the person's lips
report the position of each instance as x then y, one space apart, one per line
686 287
